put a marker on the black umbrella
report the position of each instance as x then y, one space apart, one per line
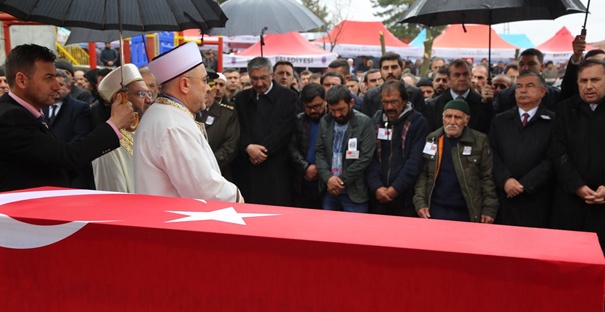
82 35
254 17
487 12
135 15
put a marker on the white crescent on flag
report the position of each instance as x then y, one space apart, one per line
20 235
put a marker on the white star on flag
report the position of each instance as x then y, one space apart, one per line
223 215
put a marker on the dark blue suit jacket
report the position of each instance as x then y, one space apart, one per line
32 156
72 123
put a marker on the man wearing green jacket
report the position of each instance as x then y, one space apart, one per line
456 182
343 151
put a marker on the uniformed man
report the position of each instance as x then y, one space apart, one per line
222 126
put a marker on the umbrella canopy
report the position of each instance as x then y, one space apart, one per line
80 35
250 17
488 12
136 15
290 47
363 38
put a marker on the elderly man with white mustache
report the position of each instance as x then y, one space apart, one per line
456 181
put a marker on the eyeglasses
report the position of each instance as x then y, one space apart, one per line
440 79
265 77
314 107
393 102
500 86
143 94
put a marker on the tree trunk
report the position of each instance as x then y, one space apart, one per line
426 57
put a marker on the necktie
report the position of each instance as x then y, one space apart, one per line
204 115
461 98
52 114
525 117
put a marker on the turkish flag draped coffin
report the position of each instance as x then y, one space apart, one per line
80 250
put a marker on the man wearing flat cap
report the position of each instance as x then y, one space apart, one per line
172 155
114 171
426 86
456 181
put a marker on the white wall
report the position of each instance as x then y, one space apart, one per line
21 34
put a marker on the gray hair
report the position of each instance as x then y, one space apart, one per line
260 62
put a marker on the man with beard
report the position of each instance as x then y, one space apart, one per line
401 131
440 81
266 115
577 153
456 181
302 147
391 68
459 78
114 171
342 67
344 150
172 155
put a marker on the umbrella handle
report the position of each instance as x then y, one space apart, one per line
135 123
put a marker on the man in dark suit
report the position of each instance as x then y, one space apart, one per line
69 119
529 60
75 91
30 154
524 174
267 117
459 79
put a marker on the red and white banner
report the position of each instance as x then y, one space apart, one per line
67 250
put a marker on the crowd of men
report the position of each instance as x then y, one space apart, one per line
463 143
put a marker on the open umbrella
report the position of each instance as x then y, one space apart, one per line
135 15
254 17
82 35
488 12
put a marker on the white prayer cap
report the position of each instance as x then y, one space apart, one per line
175 62
112 83
221 76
